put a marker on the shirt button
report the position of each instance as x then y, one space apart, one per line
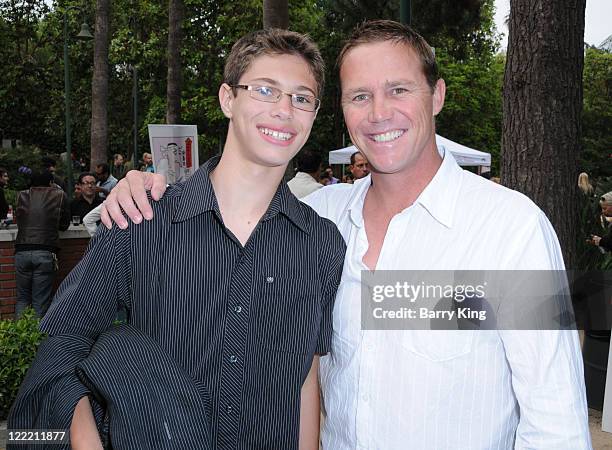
270 280
233 359
365 398
237 309
229 409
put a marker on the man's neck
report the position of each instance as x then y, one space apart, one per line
397 191
89 199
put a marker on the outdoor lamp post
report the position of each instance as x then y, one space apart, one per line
405 12
84 34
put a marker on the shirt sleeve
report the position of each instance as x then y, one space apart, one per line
606 242
85 306
91 219
333 253
546 365
64 222
86 302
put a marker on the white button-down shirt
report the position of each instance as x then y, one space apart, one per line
415 389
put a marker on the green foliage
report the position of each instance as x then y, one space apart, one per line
19 342
597 113
472 113
32 92
13 158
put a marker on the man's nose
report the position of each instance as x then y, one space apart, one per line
379 109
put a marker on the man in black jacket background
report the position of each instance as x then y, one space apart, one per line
42 211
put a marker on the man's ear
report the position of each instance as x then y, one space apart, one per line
226 99
438 96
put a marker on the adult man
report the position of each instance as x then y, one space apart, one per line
49 164
106 182
419 211
306 179
605 242
251 343
118 168
88 199
358 166
4 179
147 163
42 211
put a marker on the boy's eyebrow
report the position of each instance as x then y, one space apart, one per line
276 84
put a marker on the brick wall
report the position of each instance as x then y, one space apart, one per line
71 252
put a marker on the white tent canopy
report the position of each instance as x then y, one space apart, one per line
465 156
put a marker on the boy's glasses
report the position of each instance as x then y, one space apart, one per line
271 94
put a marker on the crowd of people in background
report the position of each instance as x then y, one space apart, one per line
44 209
311 175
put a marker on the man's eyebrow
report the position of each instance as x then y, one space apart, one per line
394 83
277 84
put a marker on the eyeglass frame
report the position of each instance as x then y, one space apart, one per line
250 88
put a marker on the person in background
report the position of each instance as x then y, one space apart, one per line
106 182
4 179
42 211
49 166
584 184
330 172
605 242
324 179
89 198
118 168
307 176
147 163
359 166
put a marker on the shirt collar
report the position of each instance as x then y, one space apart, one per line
439 197
198 197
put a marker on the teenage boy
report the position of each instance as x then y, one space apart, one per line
236 279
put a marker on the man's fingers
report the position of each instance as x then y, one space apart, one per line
156 183
136 191
105 217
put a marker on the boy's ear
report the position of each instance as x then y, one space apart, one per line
226 99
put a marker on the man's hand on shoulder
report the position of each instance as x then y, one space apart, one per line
130 194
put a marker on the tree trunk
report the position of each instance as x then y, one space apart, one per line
173 87
275 14
542 105
99 86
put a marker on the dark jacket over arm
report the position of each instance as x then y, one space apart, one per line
149 401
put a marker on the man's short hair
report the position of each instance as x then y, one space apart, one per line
104 167
41 179
308 161
116 156
273 41
374 31
354 156
83 175
48 162
606 199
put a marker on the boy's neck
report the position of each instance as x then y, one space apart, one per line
244 190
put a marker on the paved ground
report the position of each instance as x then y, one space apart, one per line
601 439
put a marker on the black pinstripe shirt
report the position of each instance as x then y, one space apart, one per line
244 322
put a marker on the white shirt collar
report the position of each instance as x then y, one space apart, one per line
439 197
